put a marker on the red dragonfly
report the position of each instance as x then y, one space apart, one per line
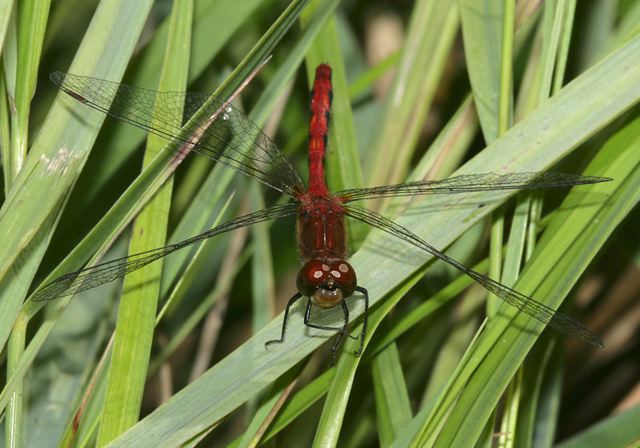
326 278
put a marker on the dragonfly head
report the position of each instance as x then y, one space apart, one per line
327 282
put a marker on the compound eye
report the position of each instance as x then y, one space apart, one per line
313 275
344 276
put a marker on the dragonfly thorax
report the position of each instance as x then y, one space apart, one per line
321 229
327 282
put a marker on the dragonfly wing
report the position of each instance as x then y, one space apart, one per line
218 130
99 274
537 310
473 182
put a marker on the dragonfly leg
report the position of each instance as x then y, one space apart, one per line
308 323
292 300
365 317
342 331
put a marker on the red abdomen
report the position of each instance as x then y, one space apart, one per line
321 97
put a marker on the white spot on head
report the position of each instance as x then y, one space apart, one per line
317 274
336 274
325 267
343 267
229 109
225 117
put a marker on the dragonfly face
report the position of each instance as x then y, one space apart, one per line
327 282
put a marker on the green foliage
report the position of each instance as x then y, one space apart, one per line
194 371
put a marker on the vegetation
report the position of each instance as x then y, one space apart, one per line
176 356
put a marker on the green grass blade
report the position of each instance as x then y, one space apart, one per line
32 22
267 410
295 406
8 51
6 7
566 28
5 134
520 222
263 286
554 269
629 28
431 32
482 31
54 162
487 30
360 86
551 30
541 389
393 409
137 311
552 66
618 430
450 146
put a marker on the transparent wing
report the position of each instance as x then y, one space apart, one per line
99 274
537 310
473 182
231 138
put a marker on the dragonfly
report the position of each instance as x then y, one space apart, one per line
326 279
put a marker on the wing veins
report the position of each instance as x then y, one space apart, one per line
87 278
473 183
155 112
527 305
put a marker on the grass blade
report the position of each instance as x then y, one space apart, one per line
127 372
